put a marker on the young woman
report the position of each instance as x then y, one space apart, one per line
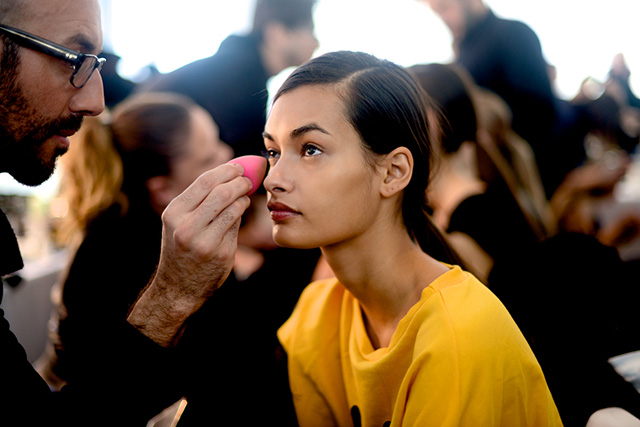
401 335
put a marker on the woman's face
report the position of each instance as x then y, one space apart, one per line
321 190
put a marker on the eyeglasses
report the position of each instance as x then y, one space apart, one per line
83 64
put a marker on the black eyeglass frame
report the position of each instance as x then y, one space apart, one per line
71 57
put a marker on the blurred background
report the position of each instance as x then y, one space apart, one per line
579 37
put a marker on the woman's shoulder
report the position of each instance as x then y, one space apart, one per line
464 302
466 311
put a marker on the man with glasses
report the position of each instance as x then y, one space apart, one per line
50 80
83 65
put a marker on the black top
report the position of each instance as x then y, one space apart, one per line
227 363
495 221
133 370
232 86
575 301
505 56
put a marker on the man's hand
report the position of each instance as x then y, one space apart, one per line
199 240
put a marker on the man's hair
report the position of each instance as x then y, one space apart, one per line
290 13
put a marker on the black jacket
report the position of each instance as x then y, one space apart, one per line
232 86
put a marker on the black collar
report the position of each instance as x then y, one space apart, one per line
10 258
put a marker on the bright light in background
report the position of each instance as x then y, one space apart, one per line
168 34
579 37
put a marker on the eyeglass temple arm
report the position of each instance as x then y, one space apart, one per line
42 45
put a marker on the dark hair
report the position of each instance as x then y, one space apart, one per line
290 13
113 155
388 109
449 87
149 130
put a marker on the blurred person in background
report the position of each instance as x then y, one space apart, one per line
506 57
232 83
116 87
232 86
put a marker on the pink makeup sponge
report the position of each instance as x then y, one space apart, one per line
254 168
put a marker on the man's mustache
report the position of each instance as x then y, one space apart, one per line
64 126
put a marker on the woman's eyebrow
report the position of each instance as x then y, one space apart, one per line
298 132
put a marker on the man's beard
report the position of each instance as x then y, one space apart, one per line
23 131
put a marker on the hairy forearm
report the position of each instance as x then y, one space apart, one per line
163 307
159 314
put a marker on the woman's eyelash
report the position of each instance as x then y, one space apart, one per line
309 146
269 154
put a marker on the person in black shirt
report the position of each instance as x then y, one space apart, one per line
232 83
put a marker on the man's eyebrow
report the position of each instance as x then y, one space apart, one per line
82 43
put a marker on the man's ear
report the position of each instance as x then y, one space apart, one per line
398 168
160 192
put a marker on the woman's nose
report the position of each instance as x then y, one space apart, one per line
277 179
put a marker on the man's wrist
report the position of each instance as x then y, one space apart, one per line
158 316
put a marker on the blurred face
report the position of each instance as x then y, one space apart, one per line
302 42
204 151
453 13
39 108
321 190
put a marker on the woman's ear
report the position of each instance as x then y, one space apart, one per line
398 168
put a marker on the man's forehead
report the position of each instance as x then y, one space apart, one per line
72 23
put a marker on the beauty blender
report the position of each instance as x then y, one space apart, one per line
254 168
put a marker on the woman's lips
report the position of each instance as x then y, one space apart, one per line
280 211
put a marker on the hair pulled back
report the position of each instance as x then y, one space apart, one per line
113 156
388 109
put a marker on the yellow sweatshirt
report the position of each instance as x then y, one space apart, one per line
456 359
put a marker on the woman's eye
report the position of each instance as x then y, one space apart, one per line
311 150
272 154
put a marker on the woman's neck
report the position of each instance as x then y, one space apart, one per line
386 273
